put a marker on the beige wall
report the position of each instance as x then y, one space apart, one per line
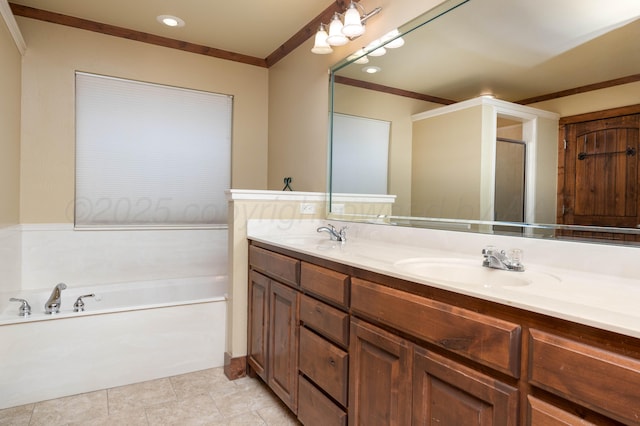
55 52
10 83
445 167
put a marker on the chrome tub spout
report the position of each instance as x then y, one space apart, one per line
55 300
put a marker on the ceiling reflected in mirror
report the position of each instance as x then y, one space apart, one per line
517 51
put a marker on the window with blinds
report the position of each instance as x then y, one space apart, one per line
149 155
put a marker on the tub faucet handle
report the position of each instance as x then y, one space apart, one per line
79 305
25 309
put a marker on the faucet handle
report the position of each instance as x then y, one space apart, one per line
515 255
79 305
488 250
25 309
343 233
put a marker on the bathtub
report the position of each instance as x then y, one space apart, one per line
134 332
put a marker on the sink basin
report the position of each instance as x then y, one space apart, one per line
469 273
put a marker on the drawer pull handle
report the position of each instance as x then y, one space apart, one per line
456 343
332 362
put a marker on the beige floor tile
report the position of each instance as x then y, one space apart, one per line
278 415
140 395
16 416
76 408
202 398
124 418
248 396
198 410
223 388
245 419
198 383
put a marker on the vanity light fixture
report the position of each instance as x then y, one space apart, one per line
170 21
342 28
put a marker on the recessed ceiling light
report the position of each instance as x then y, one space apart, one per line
170 21
371 69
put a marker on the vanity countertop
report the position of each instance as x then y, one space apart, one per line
609 302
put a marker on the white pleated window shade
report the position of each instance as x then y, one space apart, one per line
149 155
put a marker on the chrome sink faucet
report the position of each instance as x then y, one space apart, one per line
334 234
55 300
499 259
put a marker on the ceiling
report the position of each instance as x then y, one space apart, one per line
249 27
515 50
488 47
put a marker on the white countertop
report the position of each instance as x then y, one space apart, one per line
609 301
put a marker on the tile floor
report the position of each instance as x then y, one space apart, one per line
202 398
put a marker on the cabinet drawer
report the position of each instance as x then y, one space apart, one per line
325 283
280 267
316 409
487 340
543 413
325 364
604 381
324 319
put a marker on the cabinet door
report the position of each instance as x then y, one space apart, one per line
380 377
258 323
448 393
282 371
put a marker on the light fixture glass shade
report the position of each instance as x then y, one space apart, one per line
361 57
336 38
321 47
352 25
380 51
375 49
394 44
396 40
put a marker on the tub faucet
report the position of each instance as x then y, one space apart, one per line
25 309
498 259
334 234
55 300
79 305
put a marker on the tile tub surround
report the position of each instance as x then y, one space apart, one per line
52 253
204 397
599 283
10 258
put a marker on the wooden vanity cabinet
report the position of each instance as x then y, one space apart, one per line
258 320
324 339
423 386
379 377
593 377
344 346
448 393
273 322
282 374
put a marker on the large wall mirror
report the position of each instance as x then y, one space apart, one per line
480 96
